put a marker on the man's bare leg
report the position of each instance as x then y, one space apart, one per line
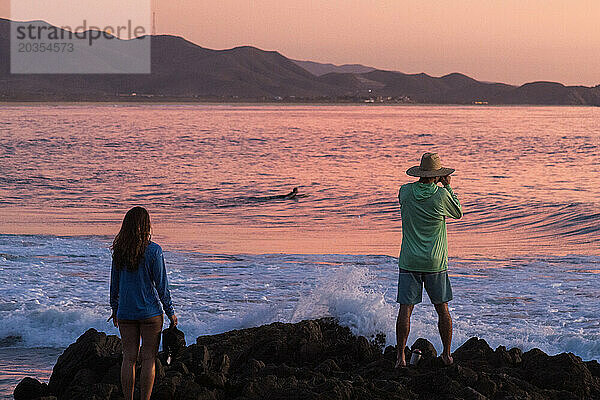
402 331
445 327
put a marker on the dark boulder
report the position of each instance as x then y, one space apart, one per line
94 351
516 355
307 342
594 368
505 358
473 349
561 372
29 389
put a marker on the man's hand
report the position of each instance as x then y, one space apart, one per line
114 318
173 319
445 180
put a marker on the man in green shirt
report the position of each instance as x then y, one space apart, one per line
423 259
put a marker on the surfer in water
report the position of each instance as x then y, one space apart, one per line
293 195
290 195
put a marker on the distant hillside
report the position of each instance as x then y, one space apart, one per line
320 69
179 69
422 88
551 93
183 70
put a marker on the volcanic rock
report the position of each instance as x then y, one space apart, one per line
318 359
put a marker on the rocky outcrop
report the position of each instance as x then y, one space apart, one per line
86 362
318 359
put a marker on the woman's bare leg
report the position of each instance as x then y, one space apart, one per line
150 331
130 340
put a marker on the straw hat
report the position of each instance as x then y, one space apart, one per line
430 167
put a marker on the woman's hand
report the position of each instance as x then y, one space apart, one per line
173 319
114 318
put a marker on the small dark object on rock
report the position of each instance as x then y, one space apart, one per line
427 349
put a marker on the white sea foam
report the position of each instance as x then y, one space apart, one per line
352 295
56 288
51 326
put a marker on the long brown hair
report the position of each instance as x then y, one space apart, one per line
130 243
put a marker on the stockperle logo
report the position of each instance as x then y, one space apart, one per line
84 37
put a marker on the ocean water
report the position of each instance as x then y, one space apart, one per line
524 260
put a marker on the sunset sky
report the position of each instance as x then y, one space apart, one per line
513 41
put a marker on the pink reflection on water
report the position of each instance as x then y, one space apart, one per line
18 363
467 276
207 173
19 371
585 271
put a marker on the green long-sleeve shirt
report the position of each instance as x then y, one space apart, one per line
424 208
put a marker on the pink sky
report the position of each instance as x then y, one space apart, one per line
512 41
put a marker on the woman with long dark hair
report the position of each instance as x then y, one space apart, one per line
138 286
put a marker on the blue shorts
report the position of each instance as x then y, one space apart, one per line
410 287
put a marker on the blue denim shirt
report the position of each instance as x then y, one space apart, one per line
136 294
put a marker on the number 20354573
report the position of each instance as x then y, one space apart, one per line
42 47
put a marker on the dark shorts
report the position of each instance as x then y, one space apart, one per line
148 330
410 287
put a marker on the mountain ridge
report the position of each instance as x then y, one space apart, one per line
320 69
181 69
